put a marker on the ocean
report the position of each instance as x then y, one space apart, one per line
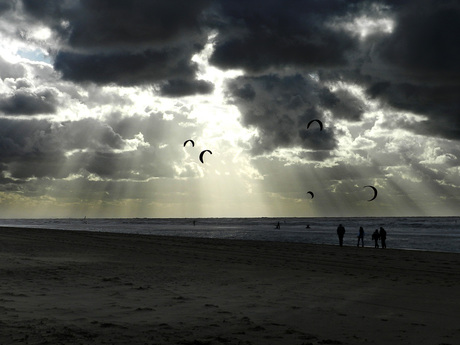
410 233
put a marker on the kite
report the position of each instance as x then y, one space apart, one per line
202 153
375 192
191 141
319 122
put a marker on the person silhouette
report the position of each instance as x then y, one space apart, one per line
375 237
361 236
340 233
278 226
383 237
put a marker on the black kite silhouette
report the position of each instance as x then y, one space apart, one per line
375 192
202 153
319 122
191 141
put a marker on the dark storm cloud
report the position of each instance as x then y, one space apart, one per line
417 69
26 149
342 104
45 10
439 103
280 33
124 68
267 42
181 87
127 42
118 23
413 68
425 42
28 103
280 109
6 5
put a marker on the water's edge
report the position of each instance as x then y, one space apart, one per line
440 234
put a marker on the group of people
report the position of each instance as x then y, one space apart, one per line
378 235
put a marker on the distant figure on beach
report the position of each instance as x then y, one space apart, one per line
308 226
361 236
375 237
383 237
340 233
194 222
278 226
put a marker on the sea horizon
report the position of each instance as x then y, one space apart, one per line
430 233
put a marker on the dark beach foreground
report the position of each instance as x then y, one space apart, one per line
68 287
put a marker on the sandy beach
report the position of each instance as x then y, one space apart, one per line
68 287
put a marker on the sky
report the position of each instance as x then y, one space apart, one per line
97 98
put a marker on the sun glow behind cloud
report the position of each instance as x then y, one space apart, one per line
227 182
365 26
375 19
225 185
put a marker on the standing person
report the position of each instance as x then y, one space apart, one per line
361 236
278 226
383 237
340 233
375 237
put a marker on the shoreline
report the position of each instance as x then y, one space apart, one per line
370 246
75 287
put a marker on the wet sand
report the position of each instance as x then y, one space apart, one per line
66 287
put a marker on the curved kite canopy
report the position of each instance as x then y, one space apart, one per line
202 153
375 192
311 193
319 122
189 141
